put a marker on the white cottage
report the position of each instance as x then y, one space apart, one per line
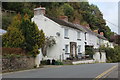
69 42
70 38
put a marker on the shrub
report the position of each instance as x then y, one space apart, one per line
58 63
112 54
44 62
89 51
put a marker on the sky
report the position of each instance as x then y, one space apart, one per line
110 12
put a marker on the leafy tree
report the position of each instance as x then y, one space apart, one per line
68 10
89 51
13 38
16 21
82 11
33 37
112 54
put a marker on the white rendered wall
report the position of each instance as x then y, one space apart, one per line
72 35
50 28
92 40
96 57
103 57
38 58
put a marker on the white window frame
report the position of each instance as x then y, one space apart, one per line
79 48
66 32
79 35
66 48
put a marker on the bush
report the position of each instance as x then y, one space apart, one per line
58 63
112 54
44 62
89 51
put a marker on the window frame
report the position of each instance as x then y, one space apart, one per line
66 49
66 33
78 35
79 48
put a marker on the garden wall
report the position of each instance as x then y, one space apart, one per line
17 63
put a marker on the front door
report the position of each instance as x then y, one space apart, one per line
73 49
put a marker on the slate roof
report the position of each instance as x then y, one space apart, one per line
75 26
90 31
65 23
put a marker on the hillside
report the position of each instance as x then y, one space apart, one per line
82 12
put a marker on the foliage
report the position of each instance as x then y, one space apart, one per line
44 62
113 54
89 51
83 11
58 63
22 33
6 20
13 38
33 37
49 41
67 9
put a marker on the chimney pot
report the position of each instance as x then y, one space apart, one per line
87 26
101 33
76 21
96 31
64 18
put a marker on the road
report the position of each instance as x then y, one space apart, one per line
68 71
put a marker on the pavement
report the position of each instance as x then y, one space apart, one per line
98 70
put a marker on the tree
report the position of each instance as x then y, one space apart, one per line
34 39
68 10
89 50
13 38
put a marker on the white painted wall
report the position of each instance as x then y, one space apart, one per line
50 28
96 57
83 61
56 52
99 58
38 58
92 40
73 38
103 57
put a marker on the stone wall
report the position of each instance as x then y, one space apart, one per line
13 64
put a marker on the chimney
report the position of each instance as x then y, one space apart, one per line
96 31
101 33
87 26
76 21
64 18
39 11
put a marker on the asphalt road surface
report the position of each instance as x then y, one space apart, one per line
69 71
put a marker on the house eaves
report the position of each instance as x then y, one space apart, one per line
67 24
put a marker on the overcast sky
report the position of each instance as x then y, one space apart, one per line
110 12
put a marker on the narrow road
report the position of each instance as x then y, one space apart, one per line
67 71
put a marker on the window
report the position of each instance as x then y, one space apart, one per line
78 35
85 35
66 33
79 46
66 48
